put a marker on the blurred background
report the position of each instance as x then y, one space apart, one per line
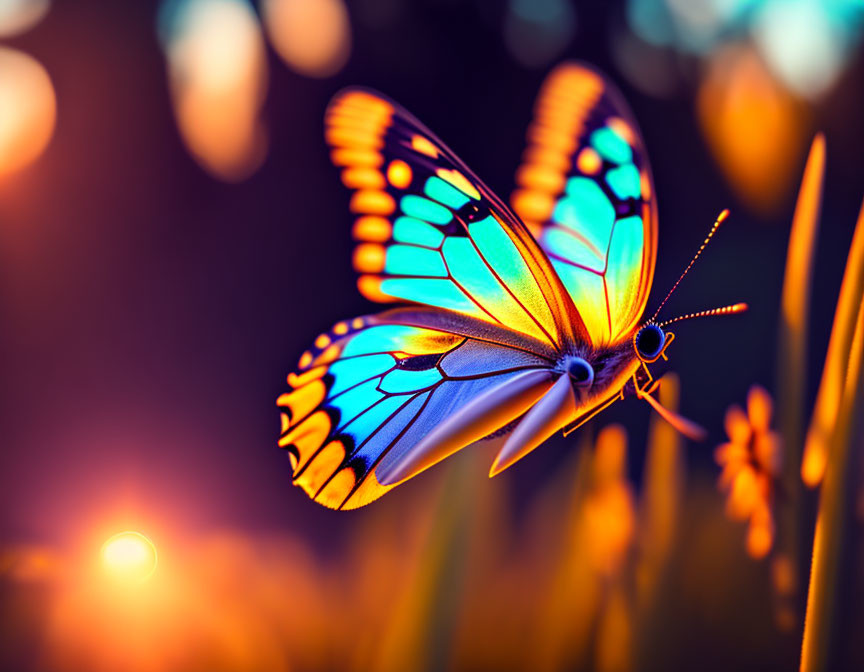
172 236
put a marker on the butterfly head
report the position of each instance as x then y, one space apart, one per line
650 342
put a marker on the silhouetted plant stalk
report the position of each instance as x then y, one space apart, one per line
420 633
827 452
659 519
792 377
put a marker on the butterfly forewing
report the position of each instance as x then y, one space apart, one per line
586 193
430 232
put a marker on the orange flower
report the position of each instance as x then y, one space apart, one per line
751 462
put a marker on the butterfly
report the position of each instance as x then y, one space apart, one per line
514 324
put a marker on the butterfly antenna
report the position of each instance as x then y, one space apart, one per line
725 310
722 216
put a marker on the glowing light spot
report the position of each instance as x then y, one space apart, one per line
424 146
372 202
801 45
369 258
295 380
313 37
753 126
588 161
28 109
305 359
19 16
645 186
622 129
371 228
323 340
399 174
217 69
370 287
547 156
540 177
534 205
129 556
362 178
356 157
357 323
340 328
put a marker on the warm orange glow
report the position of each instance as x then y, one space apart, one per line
28 109
372 202
345 135
326 461
399 174
424 146
559 113
752 464
303 400
623 129
307 437
312 36
372 229
217 68
532 205
363 178
588 161
369 258
802 239
609 510
540 177
356 157
829 399
760 533
129 556
370 287
295 380
752 125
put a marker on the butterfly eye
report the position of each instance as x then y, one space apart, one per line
649 342
580 371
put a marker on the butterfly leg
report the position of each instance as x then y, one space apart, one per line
669 338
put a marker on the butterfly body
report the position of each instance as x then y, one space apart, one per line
518 324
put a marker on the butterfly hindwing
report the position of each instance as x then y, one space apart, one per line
373 387
430 232
586 193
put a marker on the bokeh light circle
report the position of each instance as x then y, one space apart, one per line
129 556
29 110
312 36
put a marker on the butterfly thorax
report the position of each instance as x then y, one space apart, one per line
612 368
